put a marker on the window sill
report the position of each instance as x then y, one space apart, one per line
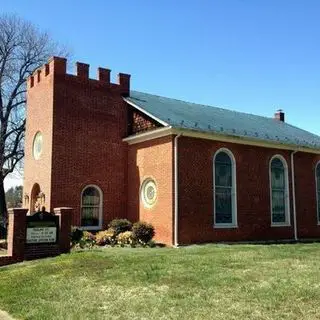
225 226
280 225
96 228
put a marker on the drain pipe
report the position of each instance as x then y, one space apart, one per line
294 197
176 198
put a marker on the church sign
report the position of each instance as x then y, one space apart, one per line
42 227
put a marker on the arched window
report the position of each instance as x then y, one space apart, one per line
224 191
91 207
318 190
279 191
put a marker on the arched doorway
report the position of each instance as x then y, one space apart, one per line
35 191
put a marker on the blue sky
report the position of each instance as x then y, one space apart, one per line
254 56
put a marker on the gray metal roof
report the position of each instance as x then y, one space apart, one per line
186 115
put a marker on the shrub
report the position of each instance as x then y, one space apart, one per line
151 244
76 234
88 236
124 238
120 225
142 232
106 237
87 240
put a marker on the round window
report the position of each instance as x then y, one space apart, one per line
37 145
149 193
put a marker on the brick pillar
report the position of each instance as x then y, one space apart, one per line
17 233
65 217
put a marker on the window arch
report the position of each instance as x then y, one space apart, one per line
224 189
91 207
279 191
318 190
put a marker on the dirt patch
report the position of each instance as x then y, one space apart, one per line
5 316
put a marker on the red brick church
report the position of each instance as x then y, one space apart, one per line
197 173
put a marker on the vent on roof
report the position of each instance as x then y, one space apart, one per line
279 115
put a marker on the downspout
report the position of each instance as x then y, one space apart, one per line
176 198
294 197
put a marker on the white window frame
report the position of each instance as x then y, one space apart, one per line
234 223
287 223
99 227
142 195
317 198
37 156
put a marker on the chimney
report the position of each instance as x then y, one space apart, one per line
279 115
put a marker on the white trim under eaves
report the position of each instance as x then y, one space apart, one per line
149 135
146 112
153 134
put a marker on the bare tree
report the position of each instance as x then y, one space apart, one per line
23 48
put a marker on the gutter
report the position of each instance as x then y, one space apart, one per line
169 130
176 198
294 197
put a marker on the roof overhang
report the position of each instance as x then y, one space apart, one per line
162 132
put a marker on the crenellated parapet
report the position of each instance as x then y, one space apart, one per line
58 66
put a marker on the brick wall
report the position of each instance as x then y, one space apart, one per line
5 260
139 122
41 251
152 159
39 116
253 193
306 201
87 119
253 201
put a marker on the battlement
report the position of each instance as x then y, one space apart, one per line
58 66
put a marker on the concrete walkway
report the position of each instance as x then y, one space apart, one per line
5 316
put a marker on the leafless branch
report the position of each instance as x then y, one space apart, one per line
23 49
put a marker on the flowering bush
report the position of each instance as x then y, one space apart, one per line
125 238
106 237
88 240
140 233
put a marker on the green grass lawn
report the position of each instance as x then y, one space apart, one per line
197 282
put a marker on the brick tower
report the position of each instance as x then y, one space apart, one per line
74 132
